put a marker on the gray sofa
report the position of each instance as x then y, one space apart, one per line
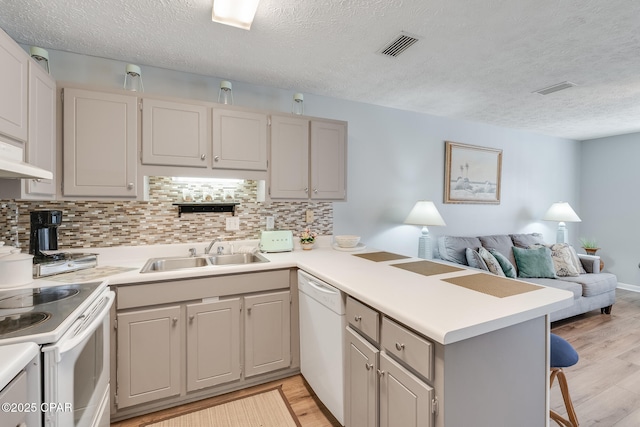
591 290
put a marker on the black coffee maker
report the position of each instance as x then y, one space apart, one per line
44 233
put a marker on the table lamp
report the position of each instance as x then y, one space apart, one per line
562 213
424 213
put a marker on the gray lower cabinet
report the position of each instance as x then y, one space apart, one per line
148 355
267 332
361 382
213 343
380 387
15 393
183 340
404 399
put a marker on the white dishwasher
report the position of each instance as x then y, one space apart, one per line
322 325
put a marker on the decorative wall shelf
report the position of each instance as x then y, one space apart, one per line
205 207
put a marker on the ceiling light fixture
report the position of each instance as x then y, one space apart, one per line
41 56
237 13
133 78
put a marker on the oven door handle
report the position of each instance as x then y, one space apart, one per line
65 345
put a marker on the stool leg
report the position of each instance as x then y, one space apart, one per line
564 388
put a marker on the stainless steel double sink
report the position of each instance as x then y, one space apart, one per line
156 265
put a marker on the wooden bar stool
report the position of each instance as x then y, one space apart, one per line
563 355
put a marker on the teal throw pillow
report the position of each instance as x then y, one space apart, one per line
508 268
534 262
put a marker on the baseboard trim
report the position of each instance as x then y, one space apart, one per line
628 287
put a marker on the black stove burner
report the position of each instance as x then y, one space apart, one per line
21 321
35 297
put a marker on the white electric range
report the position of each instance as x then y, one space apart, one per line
70 323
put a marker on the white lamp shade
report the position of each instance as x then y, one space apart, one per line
561 212
424 213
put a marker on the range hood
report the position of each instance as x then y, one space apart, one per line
12 166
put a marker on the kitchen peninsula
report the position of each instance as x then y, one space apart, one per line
488 354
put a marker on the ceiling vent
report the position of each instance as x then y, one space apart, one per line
555 88
399 44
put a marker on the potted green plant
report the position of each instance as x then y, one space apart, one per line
590 246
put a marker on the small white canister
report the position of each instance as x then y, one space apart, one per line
16 269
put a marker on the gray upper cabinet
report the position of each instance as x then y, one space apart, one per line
289 168
100 136
41 148
328 160
308 159
213 343
239 140
13 87
173 133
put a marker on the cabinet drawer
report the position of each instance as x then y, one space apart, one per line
415 351
365 319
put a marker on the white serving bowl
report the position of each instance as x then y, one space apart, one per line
347 241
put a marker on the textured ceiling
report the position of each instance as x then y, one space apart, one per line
477 60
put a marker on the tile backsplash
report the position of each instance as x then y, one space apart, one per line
91 223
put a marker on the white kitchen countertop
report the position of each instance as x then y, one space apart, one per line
441 311
13 359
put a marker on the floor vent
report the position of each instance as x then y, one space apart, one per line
555 88
399 44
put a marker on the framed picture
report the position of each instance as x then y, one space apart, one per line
472 174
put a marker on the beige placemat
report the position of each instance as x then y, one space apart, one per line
381 256
264 409
427 268
493 285
88 274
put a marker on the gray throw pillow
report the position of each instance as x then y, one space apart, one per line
453 248
535 262
475 260
508 268
491 261
526 240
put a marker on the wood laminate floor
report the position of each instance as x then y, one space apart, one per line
604 384
309 410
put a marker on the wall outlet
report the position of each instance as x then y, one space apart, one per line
233 223
309 216
270 223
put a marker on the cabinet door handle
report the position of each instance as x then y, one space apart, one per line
175 320
216 159
380 373
130 186
357 318
369 366
399 346
37 180
306 190
203 157
315 191
248 310
191 318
